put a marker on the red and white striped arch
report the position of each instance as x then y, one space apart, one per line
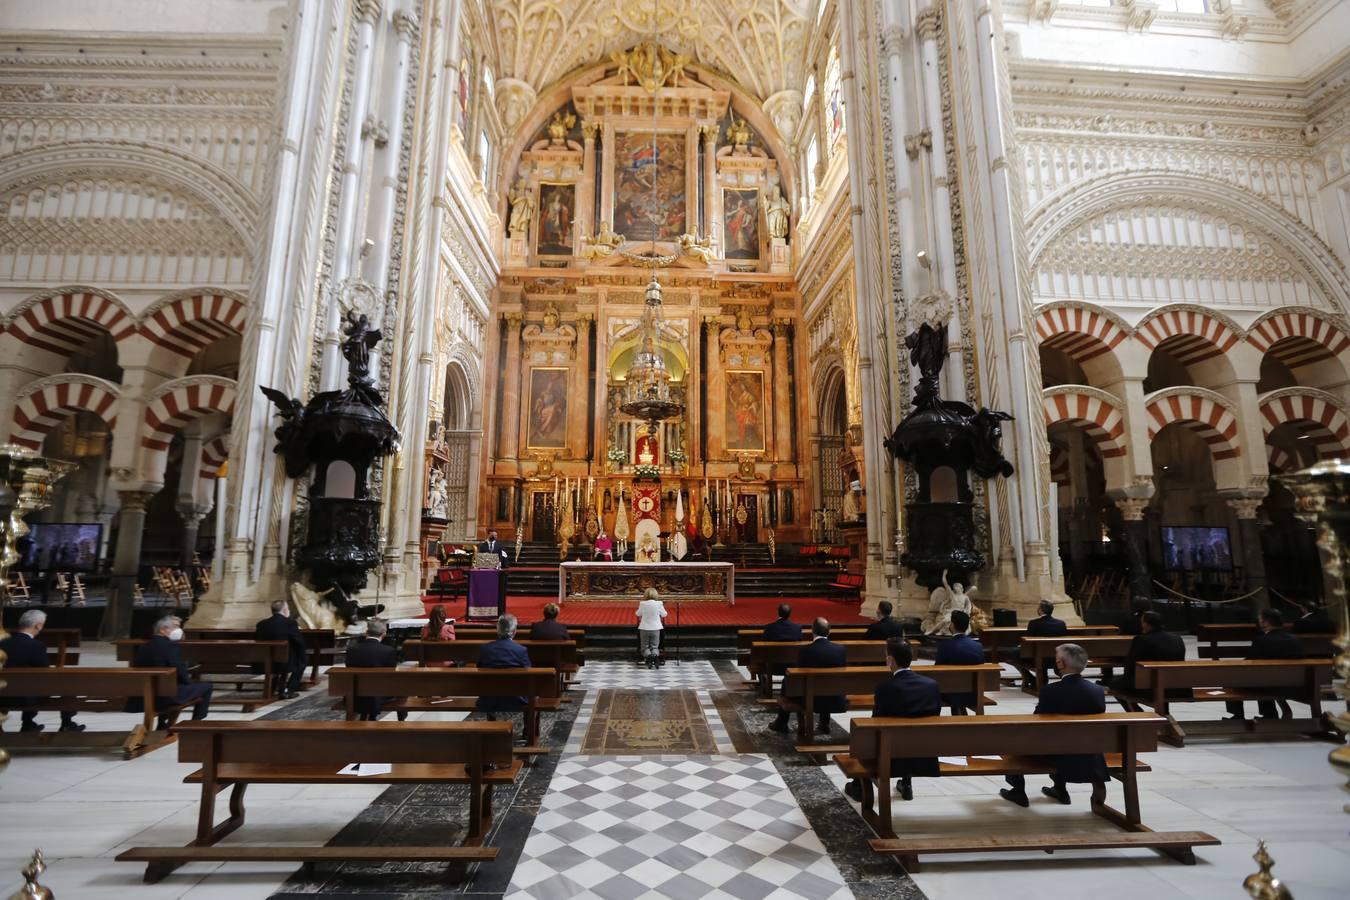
65 320
1080 332
189 399
1208 418
1316 415
1100 417
1060 472
1297 337
1281 461
37 413
186 324
1191 335
214 454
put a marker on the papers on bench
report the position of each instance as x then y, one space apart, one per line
962 760
363 770
1214 693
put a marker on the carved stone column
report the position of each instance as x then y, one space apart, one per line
510 424
579 411
1136 547
187 500
586 211
1253 556
714 420
126 564
713 200
782 408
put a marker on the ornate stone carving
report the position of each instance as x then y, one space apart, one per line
1245 507
785 109
514 99
1132 508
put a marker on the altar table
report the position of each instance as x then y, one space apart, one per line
683 581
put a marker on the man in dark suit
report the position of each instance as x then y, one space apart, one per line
1154 643
1075 696
492 545
161 652
1274 642
884 627
959 650
906 695
549 628
783 628
370 652
503 653
25 651
281 627
821 653
1046 625
1314 621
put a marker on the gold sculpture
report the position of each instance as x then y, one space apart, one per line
603 243
650 65
738 133
1263 885
31 890
700 250
558 128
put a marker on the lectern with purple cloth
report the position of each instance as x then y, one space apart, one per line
487 587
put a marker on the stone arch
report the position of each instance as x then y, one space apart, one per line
1192 333
1299 336
1206 413
44 403
179 401
1322 415
1067 208
62 320
1081 330
215 452
1097 411
186 322
1280 461
831 389
458 401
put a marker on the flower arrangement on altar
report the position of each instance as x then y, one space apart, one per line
617 456
646 470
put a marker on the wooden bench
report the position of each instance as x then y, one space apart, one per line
1000 638
233 659
443 690
560 656
74 689
63 646
237 754
1228 641
1211 681
1020 744
474 632
1105 651
847 585
765 656
319 643
859 684
747 636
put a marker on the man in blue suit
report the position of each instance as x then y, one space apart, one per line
959 650
371 652
161 652
905 695
1075 696
27 652
821 653
281 627
1046 625
885 627
783 628
503 653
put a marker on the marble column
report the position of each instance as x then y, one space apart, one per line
1246 510
126 564
578 431
1078 533
712 202
716 391
510 424
782 409
189 477
586 211
1136 547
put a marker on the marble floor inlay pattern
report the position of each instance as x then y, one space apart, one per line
635 721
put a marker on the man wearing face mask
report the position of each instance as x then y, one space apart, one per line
161 652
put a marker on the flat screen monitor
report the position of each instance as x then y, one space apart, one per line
64 546
1196 548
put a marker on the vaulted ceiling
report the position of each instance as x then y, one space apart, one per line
759 43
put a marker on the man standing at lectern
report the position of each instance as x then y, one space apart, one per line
492 545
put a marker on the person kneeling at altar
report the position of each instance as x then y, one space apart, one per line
905 695
1071 695
503 653
604 547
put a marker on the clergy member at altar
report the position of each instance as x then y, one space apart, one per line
604 547
492 545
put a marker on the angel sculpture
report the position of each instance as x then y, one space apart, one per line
940 608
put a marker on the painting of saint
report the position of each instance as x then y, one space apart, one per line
464 80
745 411
546 426
640 164
557 202
740 223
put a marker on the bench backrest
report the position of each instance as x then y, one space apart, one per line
747 636
1236 641
872 738
543 654
864 679
338 743
1236 673
489 633
73 681
63 645
1009 635
782 652
1096 645
216 652
315 638
435 682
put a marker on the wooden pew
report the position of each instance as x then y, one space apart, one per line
561 656
747 636
320 643
765 656
1228 641
1000 638
90 689
1211 681
474 632
237 754
234 659
859 684
63 646
1020 743
1102 650
441 690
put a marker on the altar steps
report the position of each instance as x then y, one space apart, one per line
542 580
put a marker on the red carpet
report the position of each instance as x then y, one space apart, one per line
747 611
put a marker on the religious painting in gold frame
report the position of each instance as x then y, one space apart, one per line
546 416
745 410
740 223
637 161
557 212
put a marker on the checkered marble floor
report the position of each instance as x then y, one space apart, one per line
681 827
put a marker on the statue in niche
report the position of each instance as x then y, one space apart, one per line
438 495
558 128
522 208
744 323
551 318
777 210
